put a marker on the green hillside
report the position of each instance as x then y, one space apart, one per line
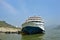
4 24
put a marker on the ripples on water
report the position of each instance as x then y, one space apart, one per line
50 34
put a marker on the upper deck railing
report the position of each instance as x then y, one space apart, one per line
34 18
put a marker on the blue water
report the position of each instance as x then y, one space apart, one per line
50 34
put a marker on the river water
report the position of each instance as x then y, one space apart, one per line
50 34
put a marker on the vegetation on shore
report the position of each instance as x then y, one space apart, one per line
4 24
8 28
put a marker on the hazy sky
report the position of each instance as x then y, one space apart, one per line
15 12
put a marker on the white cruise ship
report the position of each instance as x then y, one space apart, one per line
33 25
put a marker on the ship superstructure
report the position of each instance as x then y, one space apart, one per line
33 25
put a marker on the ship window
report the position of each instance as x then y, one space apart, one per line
36 21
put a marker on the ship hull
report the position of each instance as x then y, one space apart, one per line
32 30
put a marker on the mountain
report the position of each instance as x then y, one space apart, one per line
4 24
5 27
57 27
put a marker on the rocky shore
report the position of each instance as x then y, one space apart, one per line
7 28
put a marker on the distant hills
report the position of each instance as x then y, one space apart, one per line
4 24
57 27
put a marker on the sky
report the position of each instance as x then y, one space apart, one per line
15 12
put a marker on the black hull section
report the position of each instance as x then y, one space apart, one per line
32 30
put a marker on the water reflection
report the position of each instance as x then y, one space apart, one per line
4 36
33 37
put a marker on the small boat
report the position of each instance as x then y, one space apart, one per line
33 25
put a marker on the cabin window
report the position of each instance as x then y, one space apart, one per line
36 21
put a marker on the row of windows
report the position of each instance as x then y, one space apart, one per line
34 19
37 21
